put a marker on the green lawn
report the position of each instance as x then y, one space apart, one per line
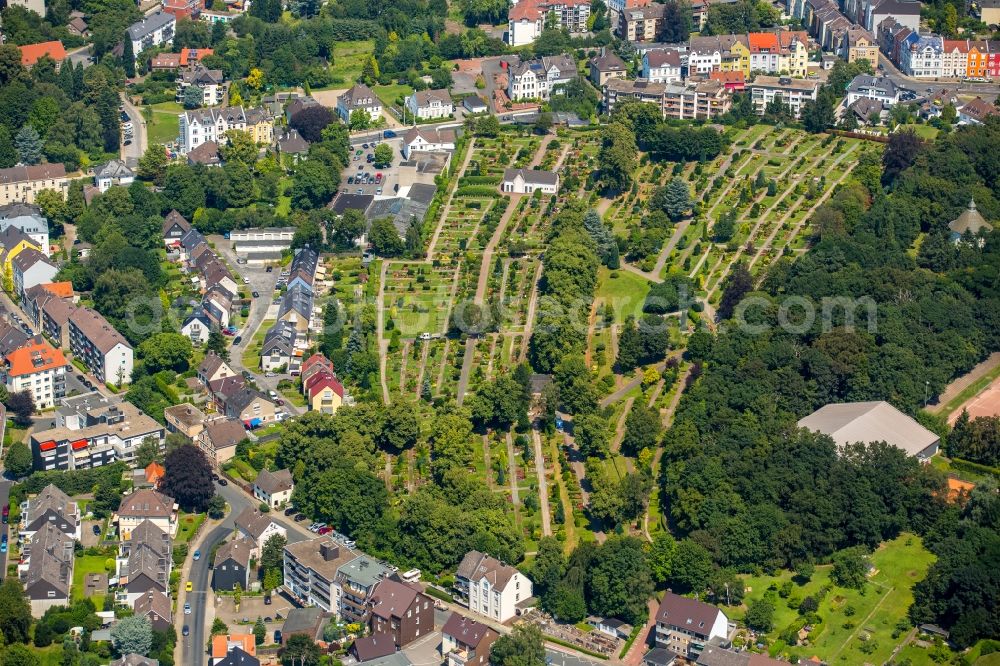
928 132
251 354
848 615
389 93
187 525
349 59
163 125
625 292
82 566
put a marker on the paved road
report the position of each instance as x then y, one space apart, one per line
263 283
987 91
200 574
4 496
81 55
132 152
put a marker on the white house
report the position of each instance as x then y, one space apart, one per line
490 587
526 19
527 181
38 368
922 56
257 527
876 88
793 92
212 83
359 98
146 504
427 140
204 125
112 173
197 326
540 78
273 488
154 30
98 344
29 220
30 268
428 104
661 66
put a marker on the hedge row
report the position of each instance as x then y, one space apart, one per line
477 191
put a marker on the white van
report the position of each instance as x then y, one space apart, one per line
411 576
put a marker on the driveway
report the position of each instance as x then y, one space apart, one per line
132 152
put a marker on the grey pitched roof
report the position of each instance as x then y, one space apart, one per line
253 522
134 659
148 535
466 630
274 482
237 657
237 550
305 259
687 614
206 153
391 599
532 176
155 602
147 562
874 421
359 96
880 85
52 499
608 61
374 647
150 24
661 57
280 339
51 559
200 75
565 65
291 142
297 299
29 257
425 97
211 363
18 209
476 566
146 503
98 330
345 201
244 397
970 220
224 433
114 169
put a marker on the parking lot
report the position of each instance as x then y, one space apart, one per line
361 175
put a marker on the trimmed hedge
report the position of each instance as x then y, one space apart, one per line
969 466
479 180
477 191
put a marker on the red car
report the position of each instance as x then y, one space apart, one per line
325 530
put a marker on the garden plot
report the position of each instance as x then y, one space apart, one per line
416 298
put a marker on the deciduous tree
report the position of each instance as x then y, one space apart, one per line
188 478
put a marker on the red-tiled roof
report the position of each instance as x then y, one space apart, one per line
30 53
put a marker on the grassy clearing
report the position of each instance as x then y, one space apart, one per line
187 525
251 354
349 60
852 619
928 132
623 290
164 127
390 93
82 566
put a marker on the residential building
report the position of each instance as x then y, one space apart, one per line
641 24
692 100
732 81
291 143
146 505
46 569
427 140
474 104
661 66
490 587
32 53
306 621
906 12
527 181
214 367
210 125
174 227
876 88
219 437
921 56
303 270
54 314
719 652
189 9
400 610
526 19
212 83
31 268
51 506
113 172
465 642
310 571
873 421
356 582
856 44
659 657
38 368
98 435
297 105
249 406
237 657
186 419
684 626
792 92
29 220
152 31
12 242
155 606
11 337
540 78
976 111
274 488
429 104
726 53
606 65
197 326
144 564
278 351
134 659
170 61
21 184
611 626
324 393
376 650
102 348
231 567
257 528
358 98
315 364
76 26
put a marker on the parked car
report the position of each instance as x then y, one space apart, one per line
223 482
350 180
277 636
299 517
269 269
256 294
324 530
187 609
267 602
197 555
97 528
290 510
238 339
186 631
189 586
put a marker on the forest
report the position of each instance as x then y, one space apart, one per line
742 482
